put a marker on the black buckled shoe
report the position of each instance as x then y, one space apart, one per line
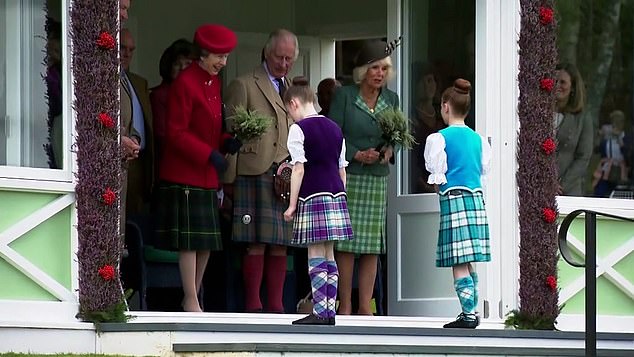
463 321
314 320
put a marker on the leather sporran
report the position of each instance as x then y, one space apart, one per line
282 181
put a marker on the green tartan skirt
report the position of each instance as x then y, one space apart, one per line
367 197
258 215
187 218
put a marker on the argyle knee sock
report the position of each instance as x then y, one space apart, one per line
275 270
318 272
333 282
465 291
252 267
476 289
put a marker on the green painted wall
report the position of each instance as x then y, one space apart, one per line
47 246
610 299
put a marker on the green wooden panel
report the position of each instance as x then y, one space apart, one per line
610 299
47 246
17 286
15 206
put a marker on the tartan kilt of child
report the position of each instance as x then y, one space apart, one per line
464 231
321 218
187 218
367 196
258 215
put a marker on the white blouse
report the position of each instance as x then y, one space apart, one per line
295 146
436 159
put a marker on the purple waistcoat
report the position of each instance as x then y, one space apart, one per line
322 146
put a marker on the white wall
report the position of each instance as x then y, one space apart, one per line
156 24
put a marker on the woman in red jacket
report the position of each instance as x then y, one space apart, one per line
192 159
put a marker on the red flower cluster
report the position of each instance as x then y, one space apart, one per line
106 41
106 120
549 215
549 146
106 272
109 197
551 281
547 84
546 15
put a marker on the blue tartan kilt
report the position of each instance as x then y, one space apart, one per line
464 231
321 218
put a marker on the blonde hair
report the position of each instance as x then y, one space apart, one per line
358 73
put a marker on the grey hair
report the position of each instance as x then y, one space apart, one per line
358 73
278 35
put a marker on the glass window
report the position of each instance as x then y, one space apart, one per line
594 106
442 49
31 84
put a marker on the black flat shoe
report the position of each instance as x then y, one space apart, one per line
464 321
314 320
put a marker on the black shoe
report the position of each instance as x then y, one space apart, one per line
331 321
314 320
463 321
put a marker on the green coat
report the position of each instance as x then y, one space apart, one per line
360 128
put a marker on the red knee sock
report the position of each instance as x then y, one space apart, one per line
275 276
252 267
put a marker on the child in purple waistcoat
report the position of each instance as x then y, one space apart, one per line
318 196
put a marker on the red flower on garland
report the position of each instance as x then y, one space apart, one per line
547 84
109 197
106 120
106 41
546 15
549 215
549 146
106 272
551 281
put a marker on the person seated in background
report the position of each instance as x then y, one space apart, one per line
174 59
612 168
325 90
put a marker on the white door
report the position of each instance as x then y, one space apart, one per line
439 46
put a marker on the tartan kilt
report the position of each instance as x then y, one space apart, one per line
258 215
367 197
187 218
321 218
464 231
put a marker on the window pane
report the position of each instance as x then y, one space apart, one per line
593 120
31 80
442 49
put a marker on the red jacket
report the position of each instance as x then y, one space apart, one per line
194 129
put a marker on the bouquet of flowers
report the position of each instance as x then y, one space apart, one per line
396 128
248 125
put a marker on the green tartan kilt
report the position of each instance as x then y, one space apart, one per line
463 236
367 197
187 218
258 215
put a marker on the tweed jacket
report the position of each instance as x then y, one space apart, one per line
359 127
141 171
575 142
255 91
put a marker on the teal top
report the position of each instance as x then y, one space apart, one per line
359 125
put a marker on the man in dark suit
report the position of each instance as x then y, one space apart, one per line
140 171
257 212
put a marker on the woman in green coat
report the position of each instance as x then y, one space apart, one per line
355 108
